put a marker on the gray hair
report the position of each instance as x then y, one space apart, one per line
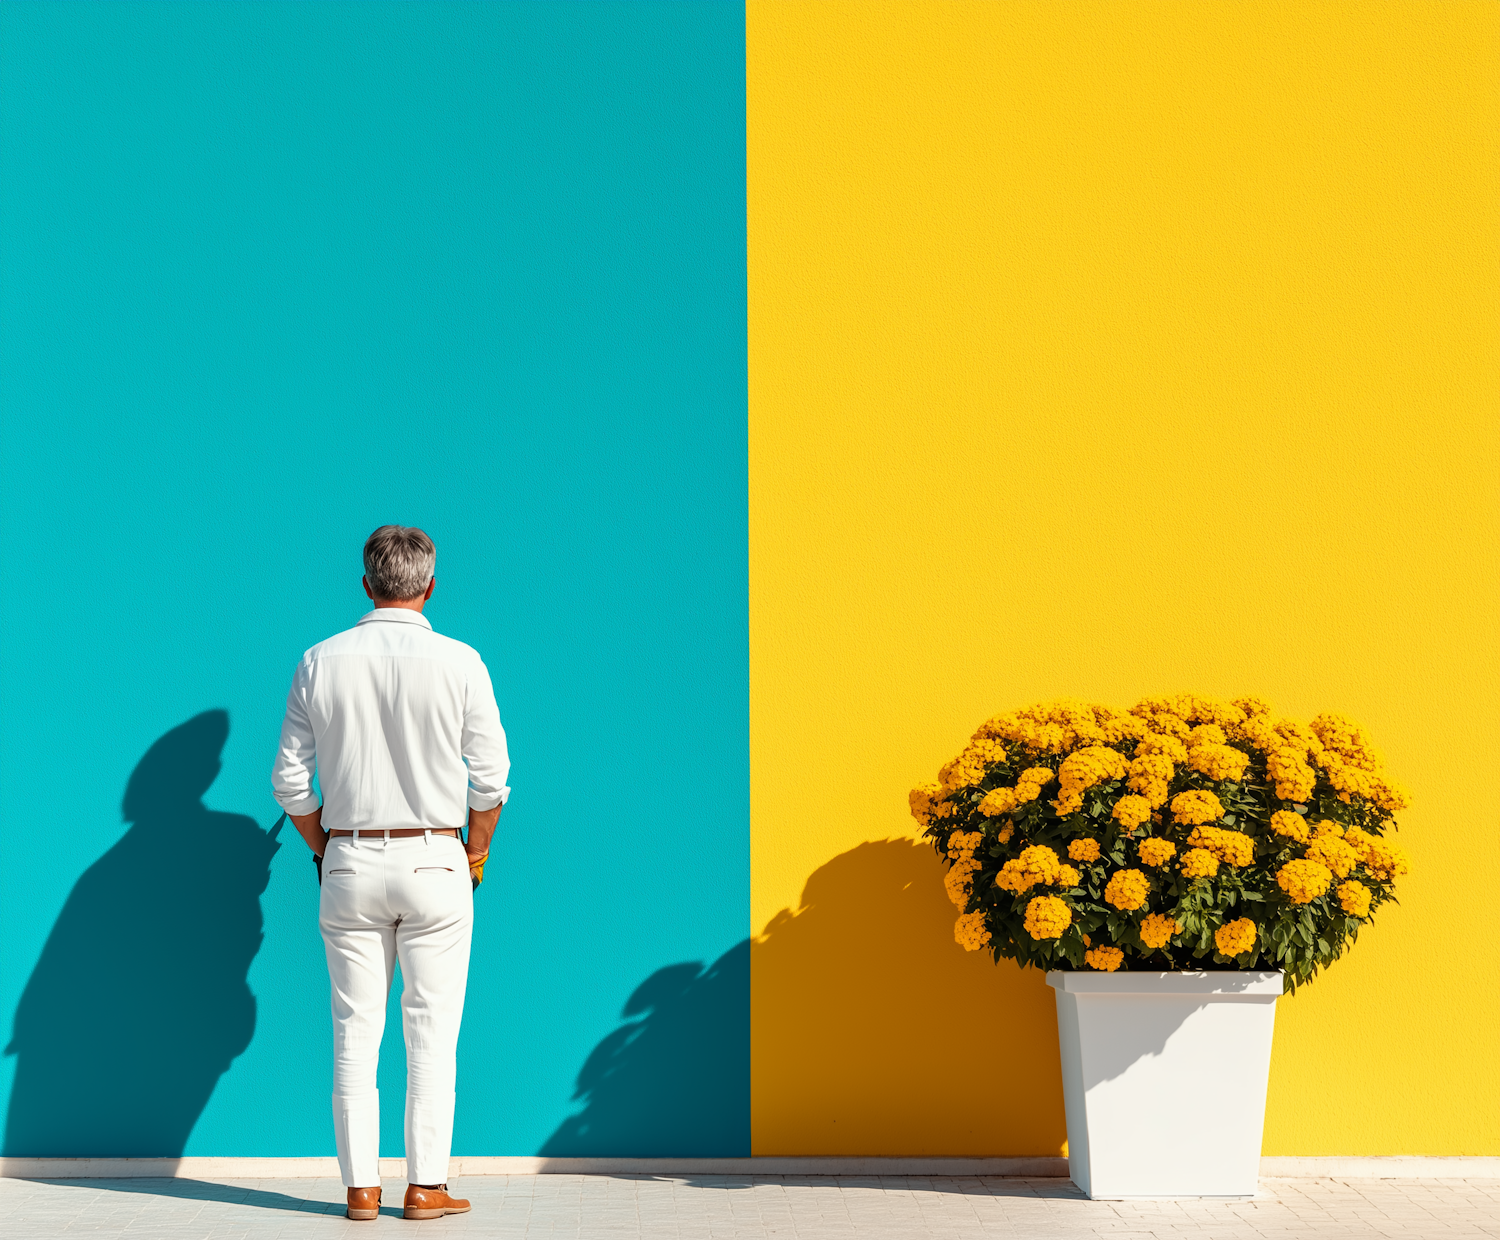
399 560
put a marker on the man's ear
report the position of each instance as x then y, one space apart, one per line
431 586
369 593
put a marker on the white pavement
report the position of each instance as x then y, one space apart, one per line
624 1207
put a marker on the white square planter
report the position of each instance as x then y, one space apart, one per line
1164 1080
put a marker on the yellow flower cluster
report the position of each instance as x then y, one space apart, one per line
1303 881
1334 853
1295 780
1287 746
1169 745
1157 930
1347 739
1350 781
1003 800
1081 770
1196 807
1353 766
926 803
1036 866
1128 889
1292 825
1188 708
1219 761
1161 742
1391 797
1209 755
970 932
1385 861
998 801
1235 938
1058 727
961 844
1156 852
969 767
1354 898
1230 847
1084 850
1150 774
1047 917
1251 707
959 880
1121 726
1339 851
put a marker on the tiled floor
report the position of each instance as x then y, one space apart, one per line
751 1208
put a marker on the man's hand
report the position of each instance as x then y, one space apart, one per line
310 828
476 869
481 831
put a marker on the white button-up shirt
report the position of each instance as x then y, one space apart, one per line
400 724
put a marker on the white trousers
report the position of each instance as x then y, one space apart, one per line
382 900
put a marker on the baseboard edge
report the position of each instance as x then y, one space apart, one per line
1040 1167
1381 1167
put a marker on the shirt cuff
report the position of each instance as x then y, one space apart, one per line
487 800
300 806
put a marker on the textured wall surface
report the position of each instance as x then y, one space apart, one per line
1105 350
1094 350
274 274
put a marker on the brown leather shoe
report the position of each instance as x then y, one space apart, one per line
432 1202
364 1203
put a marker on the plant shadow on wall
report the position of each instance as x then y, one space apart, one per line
674 1080
139 1001
876 1034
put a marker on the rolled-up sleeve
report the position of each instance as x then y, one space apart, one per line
484 744
296 759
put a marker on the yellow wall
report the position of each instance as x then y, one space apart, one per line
1102 350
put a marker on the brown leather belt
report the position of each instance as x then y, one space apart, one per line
400 833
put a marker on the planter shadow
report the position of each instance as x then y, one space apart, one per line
876 1034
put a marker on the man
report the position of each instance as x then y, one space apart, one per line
402 729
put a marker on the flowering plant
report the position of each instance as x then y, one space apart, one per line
1081 836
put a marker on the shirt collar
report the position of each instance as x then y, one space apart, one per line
398 615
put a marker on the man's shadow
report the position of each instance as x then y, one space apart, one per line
139 1001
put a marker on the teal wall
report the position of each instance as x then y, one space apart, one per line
273 275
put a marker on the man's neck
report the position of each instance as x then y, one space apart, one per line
410 604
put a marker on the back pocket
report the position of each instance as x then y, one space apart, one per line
434 869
